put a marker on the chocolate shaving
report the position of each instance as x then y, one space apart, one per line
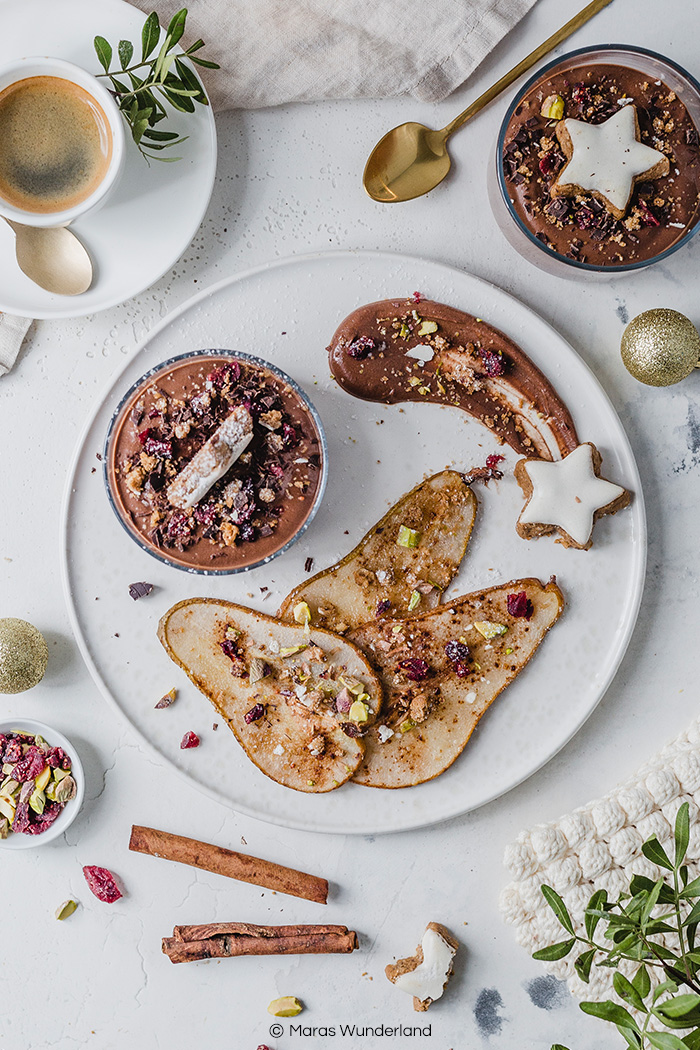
140 590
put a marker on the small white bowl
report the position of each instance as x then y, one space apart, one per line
15 840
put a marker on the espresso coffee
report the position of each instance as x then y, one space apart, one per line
55 144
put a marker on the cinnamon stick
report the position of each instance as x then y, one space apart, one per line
246 939
227 862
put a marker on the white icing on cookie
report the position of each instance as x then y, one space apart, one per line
567 493
608 157
428 979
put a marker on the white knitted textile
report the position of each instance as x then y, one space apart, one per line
599 847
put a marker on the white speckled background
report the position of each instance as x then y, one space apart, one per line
289 182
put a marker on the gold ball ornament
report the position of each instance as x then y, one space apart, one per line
23 655
660 347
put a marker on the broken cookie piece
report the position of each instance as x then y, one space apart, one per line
566 496
425 974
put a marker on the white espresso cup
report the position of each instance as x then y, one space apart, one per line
111 131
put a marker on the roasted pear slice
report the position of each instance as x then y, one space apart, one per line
297 700
400 567
442 670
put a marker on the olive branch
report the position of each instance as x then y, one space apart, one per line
157 76
634 927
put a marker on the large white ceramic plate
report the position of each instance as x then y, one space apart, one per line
287 312
150 217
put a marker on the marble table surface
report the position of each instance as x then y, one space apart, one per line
289 182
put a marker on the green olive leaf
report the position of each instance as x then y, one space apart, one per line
104 52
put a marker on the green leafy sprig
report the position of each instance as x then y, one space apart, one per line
159 76
632 928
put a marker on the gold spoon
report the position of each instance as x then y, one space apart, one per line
53 258
412 160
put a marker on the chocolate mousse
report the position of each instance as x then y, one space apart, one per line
214 462
579 221
418 350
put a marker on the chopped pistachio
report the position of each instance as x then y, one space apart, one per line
43 778
258 670
4 827
302 613
407 537
414 381
397 628
9 787
39 740
327 687
427 328
51 790
508 652
424 390
287 1006
232 633
166 700
408 724
66 909
7 809
553 107
59 774
290 650
488 629
404 331
65 791
359 711
37 801
353 685
415 600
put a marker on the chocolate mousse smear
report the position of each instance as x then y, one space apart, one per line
214 463
580 227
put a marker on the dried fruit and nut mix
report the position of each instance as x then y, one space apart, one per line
215 462
36 783
302 674
581 227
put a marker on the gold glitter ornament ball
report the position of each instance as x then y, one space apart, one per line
660 347
23 655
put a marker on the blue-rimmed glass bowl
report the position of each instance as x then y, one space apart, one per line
173 557
651 65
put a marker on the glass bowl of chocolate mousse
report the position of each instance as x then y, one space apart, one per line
215 462
598 162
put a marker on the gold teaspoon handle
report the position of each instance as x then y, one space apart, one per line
509 78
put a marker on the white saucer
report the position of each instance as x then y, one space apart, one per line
153 213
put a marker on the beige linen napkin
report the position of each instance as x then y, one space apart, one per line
274 51
12 332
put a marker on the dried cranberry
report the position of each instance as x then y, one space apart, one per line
415 669
13 751
383 606
21 821
205 514
30 766
102 883
189 740
290 437
546 164
457 652
417 297
361 347
581 95
179 530
52 810
229 648
156 447
145 434
648 217
493 362
248 532
229 374
58 759
256 712
585 218
351 729
520 605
